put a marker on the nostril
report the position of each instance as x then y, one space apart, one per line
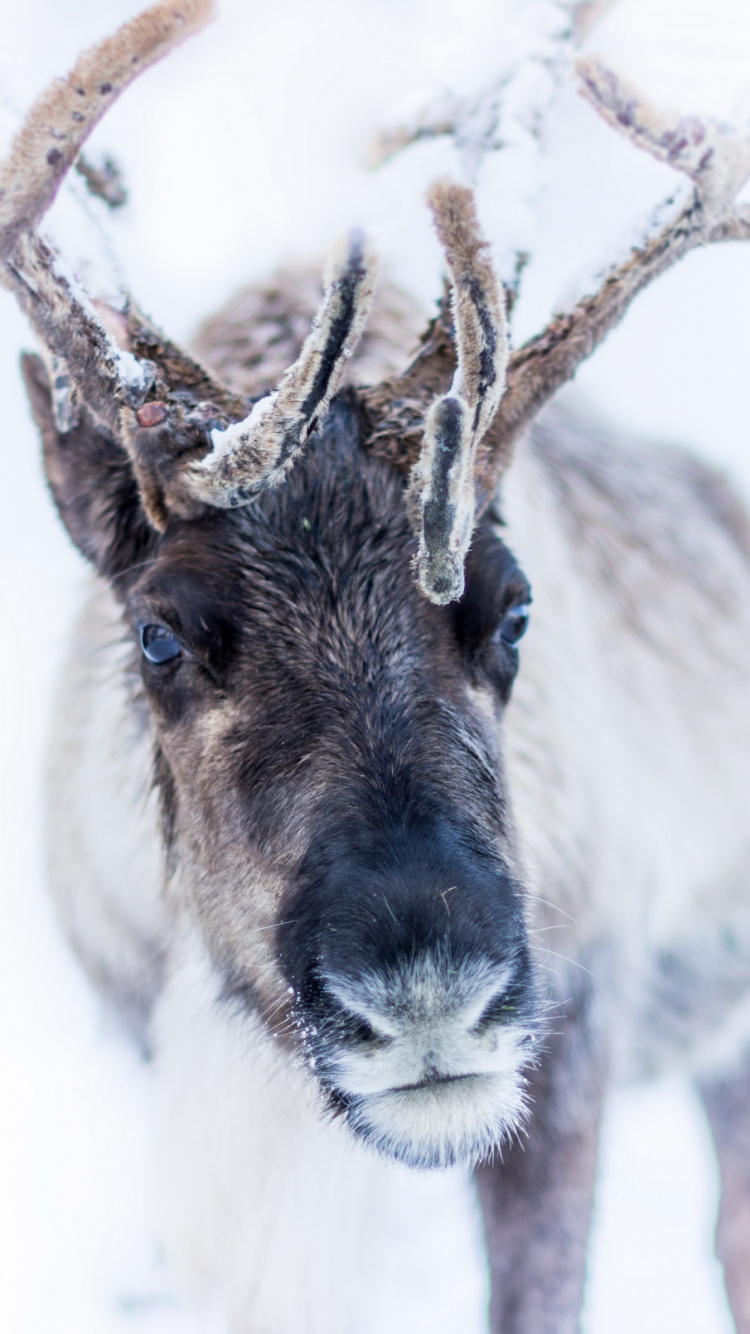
359 1023
359 1031
500 1010
356 1024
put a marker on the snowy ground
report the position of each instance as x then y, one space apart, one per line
243 150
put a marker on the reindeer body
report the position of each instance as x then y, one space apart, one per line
374 905
627 744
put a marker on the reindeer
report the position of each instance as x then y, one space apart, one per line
336 826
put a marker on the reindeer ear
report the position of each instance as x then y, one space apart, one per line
91 480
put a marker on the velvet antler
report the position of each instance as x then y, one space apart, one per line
714 156
192 441
442 480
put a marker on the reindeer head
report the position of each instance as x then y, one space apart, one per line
325 619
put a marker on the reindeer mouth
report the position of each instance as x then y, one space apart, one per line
426 1078
433 1081
441 1121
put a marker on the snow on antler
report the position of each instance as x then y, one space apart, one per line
713 155
135 382
42 152
258 451
513 105
499 132
716 157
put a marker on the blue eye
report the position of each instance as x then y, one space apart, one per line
514 623
159 644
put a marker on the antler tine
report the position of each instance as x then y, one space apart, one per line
442 498
62 118
513 109
715 156
587 13
257 452
43 150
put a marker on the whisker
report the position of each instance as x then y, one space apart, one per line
574 962
267 1015
538 899
139 565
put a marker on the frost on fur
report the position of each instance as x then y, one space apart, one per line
429 1012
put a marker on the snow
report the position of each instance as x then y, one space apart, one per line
637 235
499 132
136 376
245 148
234 436
78 227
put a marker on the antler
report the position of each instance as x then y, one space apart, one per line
193 443
258 451
57 126
167 410
442 481
716 158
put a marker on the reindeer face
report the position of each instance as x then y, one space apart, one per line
327 727
330 760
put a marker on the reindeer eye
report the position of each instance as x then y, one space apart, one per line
159 644
514 623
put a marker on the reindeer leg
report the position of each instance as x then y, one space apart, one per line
727 1104
536 1200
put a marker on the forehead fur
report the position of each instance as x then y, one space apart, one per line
335 674
328 552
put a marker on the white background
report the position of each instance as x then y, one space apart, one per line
241 151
